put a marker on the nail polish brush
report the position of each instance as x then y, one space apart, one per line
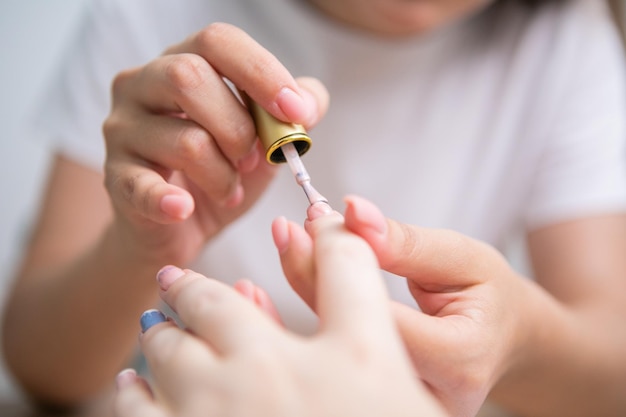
300 173
284 142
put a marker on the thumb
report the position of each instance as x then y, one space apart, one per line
433 259
314 91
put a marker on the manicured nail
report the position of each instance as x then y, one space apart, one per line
167 275
293 105
151 317
235 198
310 103
366 213
318 209
249 161
176 206
280 233
246 288
125 378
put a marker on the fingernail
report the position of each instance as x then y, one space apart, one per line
318 209
167 275
176 206
366 213
311 106
293 105
246 288
250 161
235 198
280 233
125 378
151 317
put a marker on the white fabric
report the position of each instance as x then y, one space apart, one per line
511 119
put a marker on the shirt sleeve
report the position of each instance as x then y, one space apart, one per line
68 116
582 167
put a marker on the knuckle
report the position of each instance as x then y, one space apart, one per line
241 138
121 81
263 67
128 188
185 72
193 143
203 300
411 244
112 126
411 247
214 35
118 185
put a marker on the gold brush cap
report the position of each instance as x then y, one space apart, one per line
274 133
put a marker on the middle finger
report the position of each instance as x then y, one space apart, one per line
188 83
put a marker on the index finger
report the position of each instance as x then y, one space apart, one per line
252 68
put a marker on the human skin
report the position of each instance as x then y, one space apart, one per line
579 264
176 173
483 327
151 211
210 369
399 18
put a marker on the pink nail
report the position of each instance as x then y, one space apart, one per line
366 213
280 233
176 206
125 378
249 162
235 198
318 209
292 105
167 275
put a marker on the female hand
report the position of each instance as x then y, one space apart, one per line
182 156
468 328
235 360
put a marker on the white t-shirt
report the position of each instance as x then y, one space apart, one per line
506 121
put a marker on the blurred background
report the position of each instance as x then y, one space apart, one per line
32 37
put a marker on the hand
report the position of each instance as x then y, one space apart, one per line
235 360
467 331
182 156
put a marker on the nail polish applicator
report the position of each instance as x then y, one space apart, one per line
284 142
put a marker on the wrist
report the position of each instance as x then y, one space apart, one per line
542 339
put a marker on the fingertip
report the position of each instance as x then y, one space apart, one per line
177 206
311 116
320 215
280 234
245 287
168 275
318 209
363 216
316 96
297 107
236 197
250 161
125 378
264 302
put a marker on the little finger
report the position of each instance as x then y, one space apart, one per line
134 397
